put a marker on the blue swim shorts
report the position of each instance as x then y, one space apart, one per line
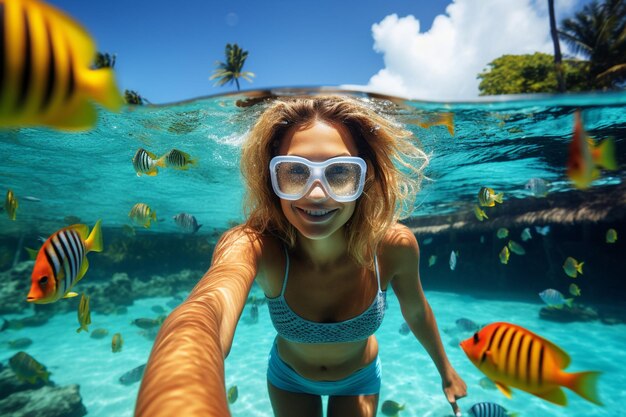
365 381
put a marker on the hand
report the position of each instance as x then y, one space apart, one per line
454 388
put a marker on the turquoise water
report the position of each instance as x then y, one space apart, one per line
501 144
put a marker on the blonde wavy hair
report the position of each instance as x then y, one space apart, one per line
394 168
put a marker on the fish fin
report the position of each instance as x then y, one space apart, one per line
100 85
32 253
606 155
160 162
498 198
153 172
94 242
152 156
555 396
504 389
585 385
81 115
568 302
579 268
83 269
81 229
70 294
198 227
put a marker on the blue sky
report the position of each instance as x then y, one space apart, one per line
167 50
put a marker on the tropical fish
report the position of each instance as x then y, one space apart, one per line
31 198
145 323
404 329
526 234
611 236
432 260
428 241
466 325
487 197
11 204
45 60
62 262
145 162
84 315
502 233
488 410
157 309
486 383
187 222
572 267
516 247
132 376
21 343
99 333
543 231
233 393
142 214
479 213
574 290
445 119
391 408
554 298
116 343
537 187
453 259
505 255
26 368
585 157
512 356
178 159
128 230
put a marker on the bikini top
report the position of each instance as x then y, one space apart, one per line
294 328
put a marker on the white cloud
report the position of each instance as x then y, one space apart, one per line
443 62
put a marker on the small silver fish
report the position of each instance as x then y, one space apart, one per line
187 222
526 235
537 187
453 258
554 298
543 231
132 376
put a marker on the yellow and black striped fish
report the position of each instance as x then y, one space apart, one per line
487 197
513 356
187 222
62 262
11 204
178 159
84 314
142 214
145 162
45 75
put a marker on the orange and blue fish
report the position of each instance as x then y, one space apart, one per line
45 74
62 262
585 158
513 356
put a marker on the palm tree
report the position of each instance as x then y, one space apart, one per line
104 60
230 71
557 49
598 32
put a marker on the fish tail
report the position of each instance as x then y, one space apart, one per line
101 86
161 162
94 241
196 228
579 268
568 302
585 385
498 197
606 154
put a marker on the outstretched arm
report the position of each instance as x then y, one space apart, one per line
185 372
404 253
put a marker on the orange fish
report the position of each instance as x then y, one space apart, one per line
445 119
62 262
585 157
512 356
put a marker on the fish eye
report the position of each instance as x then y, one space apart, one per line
43 281
476 337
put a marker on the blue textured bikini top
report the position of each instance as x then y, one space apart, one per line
292 327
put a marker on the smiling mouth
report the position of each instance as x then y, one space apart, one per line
316 215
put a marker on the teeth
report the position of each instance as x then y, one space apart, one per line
317 212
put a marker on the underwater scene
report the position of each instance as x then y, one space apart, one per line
508 232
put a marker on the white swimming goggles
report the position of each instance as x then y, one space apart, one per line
342 177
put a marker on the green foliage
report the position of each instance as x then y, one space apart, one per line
231 70
536 73
133 97
598 32
103 60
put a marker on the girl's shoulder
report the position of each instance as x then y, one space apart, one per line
398 247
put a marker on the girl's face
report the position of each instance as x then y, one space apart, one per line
316 215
